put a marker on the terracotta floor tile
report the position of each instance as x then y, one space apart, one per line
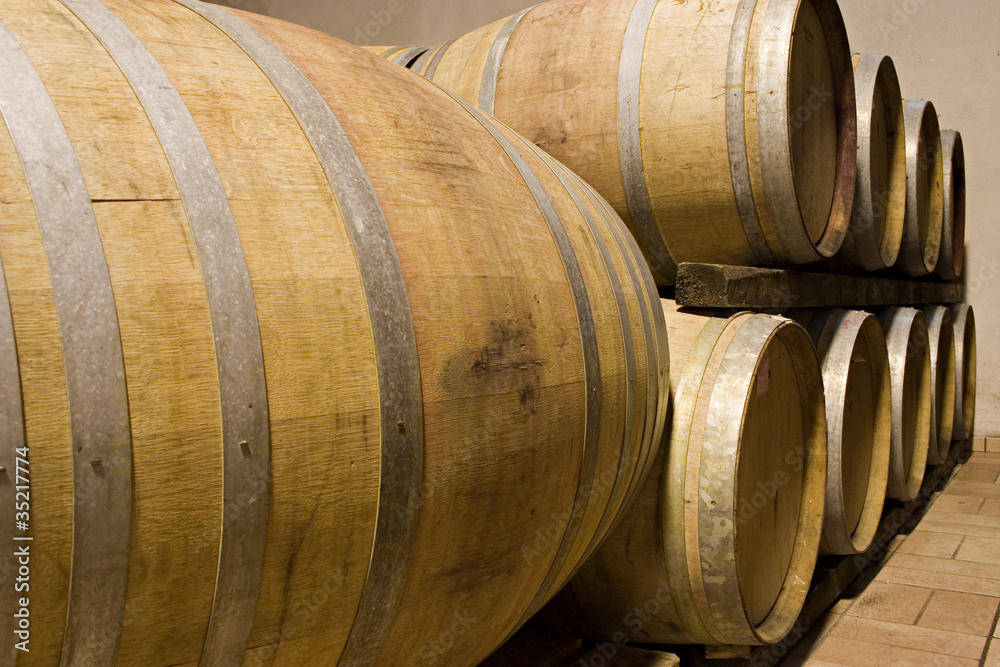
841 606
947 566
993 657
857 653
958 528
977 489
996 630
817 633
950 582
956 504
960 612
990 507
965 519
980 550
924 543
890 602
820 663
911 636
977 474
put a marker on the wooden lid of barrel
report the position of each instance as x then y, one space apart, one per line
964 320
941 341
952 258
921 245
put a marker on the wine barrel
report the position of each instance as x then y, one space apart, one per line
964 319
876 228
721 543
941 341
855 363
910 367
404 56
311 363
952 258
721 132
921 244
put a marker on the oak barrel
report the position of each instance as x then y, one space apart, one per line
313 365
964 319
856 382
721 132
910 367
952 259
876 228
721 543
941 341
921 244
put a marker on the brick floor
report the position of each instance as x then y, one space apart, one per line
936 600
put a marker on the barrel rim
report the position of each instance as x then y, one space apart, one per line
836 338
906 335
941 341
964 319
952 260
864 247
922 228
777 165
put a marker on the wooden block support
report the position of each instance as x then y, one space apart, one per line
723 286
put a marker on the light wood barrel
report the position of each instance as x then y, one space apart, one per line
721 543
721 132
404 56
952 258
921 245
941 340
910 366
876 229
964 320
856 382
312 364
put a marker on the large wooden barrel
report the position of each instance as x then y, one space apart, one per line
721 543
964 319
721 132
921 245
952 258
941 341
856 382
910 367
876 228
311 364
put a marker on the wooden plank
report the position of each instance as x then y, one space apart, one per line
723 286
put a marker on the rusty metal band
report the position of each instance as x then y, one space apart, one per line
591 360
491 70
14 439
398 364
739 168
630 141
625 467
93 361
238 350
435 61
407 56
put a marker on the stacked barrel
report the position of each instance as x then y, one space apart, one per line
747 133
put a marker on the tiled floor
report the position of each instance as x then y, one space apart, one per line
935 601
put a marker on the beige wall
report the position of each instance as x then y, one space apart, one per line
946 51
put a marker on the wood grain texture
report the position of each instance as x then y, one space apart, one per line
964 319
715 169
749 382
920 250
952 259
497 331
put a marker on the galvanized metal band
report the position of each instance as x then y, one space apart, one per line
591 360
657 352
939 323
863 245
739 167
93 360
950 142
630 141
406 57
491 69
388 52
625 467
912 248
398 364
898 323
436 60
419 63
13 447
239 354
673 498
